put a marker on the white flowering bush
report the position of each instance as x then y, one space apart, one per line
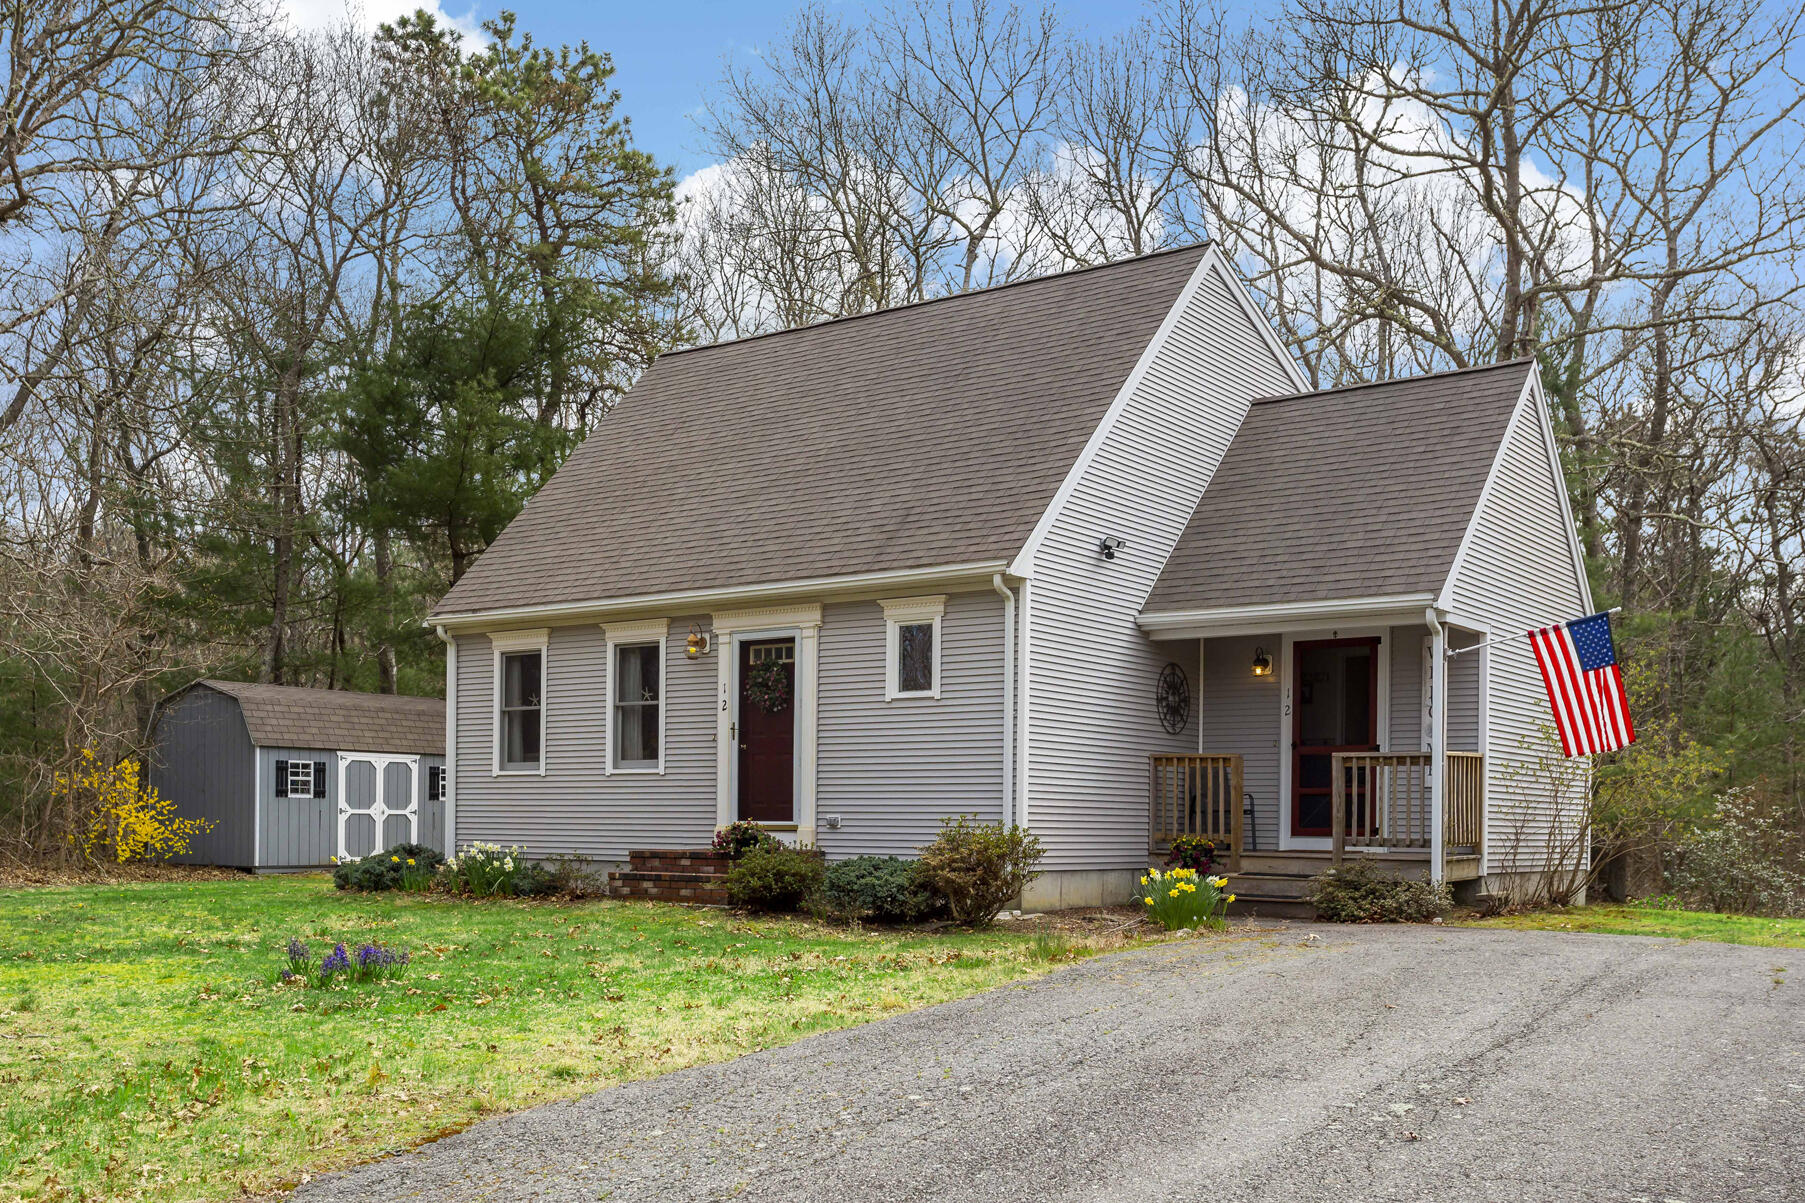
491 871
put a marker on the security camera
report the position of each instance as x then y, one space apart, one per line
1111 545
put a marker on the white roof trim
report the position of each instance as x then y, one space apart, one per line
705 600
1211 261
1270 617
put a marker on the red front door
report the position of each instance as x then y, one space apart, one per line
1334 708
766 730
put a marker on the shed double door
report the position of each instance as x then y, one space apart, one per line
378 803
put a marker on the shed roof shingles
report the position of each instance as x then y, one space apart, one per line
1356 492
928 435
290 716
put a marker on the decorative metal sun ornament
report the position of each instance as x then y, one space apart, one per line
1173 698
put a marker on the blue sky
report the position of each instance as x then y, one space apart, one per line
668 55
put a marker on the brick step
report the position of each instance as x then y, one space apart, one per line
678 865
668 886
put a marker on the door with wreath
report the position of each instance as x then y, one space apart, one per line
766 731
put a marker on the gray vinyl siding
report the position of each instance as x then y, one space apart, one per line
892 770
1239 713
1463 694
202 761
1092 719
576 807
1520 571
303 832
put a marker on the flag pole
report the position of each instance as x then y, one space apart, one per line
1458 651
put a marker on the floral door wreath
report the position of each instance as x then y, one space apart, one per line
767 685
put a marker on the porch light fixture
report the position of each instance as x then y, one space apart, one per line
1262 663
697 643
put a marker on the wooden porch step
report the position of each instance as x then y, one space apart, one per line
1269 885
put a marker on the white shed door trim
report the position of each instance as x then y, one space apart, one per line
380 809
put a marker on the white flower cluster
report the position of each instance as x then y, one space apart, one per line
485 854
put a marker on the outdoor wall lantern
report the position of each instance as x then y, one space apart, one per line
1262 663
697 643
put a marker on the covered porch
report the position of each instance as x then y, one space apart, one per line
1326 731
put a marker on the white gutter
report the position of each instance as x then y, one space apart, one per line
1438 736
813 588
1008 595
448 781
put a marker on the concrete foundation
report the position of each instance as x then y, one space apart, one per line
1063 889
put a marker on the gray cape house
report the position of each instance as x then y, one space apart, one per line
1082 553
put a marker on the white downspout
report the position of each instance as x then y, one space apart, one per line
1008 595
449 784
1438 742
1024 726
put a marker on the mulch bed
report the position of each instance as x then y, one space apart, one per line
15 876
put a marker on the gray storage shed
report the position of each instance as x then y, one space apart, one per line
294 777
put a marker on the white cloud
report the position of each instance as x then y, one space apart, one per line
368 14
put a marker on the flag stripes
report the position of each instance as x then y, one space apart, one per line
1585 685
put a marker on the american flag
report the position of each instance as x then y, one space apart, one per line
1585 686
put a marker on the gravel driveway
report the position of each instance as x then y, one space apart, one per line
1300 1063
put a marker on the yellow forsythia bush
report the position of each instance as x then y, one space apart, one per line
125 819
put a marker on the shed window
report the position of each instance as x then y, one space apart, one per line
300 779
435 783
637 705
522 709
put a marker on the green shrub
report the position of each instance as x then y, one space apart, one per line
979 867
883 889
742 836
1359 892
491 871
777 878
1743 863
403 866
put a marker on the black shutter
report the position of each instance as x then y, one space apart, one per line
319 779
282 779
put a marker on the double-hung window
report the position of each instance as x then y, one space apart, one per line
636 696
520 701
912 646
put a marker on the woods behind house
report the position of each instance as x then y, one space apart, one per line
292 324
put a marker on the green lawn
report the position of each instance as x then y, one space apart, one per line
1648 921
148 1051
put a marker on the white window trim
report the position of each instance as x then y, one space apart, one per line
634 634
910 611
508 643
313 778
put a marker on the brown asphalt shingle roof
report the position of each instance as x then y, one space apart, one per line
930 434
1354 492
288 716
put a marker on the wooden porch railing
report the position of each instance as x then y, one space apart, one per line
1463 804
1382 800
1379 800
1197 795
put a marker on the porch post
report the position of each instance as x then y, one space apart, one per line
1438 744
